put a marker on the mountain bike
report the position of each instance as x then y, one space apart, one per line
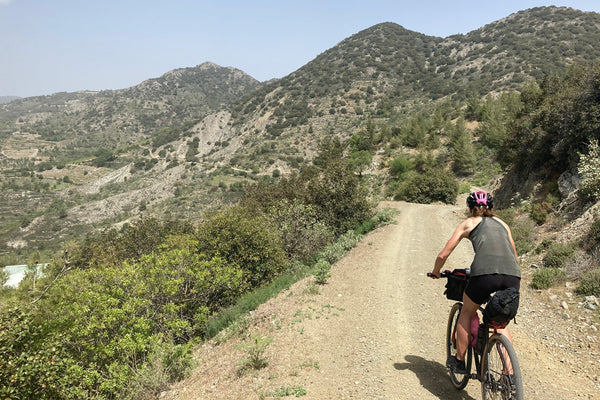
496 363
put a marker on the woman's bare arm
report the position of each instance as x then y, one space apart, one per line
461 232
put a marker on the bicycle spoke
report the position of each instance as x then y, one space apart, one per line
502 374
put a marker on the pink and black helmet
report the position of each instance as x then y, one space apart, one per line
480 198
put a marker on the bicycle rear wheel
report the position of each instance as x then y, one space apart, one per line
500 371
458 380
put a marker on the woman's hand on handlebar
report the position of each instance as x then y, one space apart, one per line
434 275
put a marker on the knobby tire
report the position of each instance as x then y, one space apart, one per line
499 360
458 380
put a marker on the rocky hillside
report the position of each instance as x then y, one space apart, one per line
188 140
111 118
387 72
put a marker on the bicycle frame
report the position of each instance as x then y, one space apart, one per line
477 356
496 365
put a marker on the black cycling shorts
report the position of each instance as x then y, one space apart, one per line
481 287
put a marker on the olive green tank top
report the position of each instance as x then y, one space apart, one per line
493 251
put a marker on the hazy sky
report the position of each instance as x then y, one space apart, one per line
49 46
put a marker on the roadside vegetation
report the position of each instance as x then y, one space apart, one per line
117 313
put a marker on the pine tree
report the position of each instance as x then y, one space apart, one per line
461 143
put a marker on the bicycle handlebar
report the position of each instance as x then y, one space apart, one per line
443 274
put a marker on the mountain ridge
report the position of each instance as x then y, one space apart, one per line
220 128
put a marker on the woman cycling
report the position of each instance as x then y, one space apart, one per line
494 266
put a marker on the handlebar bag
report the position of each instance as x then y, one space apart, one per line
457 282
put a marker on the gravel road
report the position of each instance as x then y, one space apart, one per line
376 329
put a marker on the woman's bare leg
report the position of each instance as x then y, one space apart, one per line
463 330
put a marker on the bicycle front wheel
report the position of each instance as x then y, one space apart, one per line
458 380
500 371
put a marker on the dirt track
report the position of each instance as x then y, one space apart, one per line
376 330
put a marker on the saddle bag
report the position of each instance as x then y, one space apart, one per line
501 308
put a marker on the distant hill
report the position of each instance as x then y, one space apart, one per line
8 99
121 117
399 64
387 71
187 141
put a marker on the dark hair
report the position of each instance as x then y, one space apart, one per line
481 211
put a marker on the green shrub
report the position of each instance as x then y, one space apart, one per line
186 288
592 238
322 272
168 363
337 250
3 276
245 240
133 240
286 391
557 254
589 283
333 192
35 364
401 165
538 214
300 231
383 217
366 227
107 331
118 315
338 197
255 350
464 188
589 168
333 252
544 245
103 156
544 278
433 185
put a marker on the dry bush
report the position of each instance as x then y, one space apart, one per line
580 263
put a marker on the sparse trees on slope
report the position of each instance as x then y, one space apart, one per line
557 124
